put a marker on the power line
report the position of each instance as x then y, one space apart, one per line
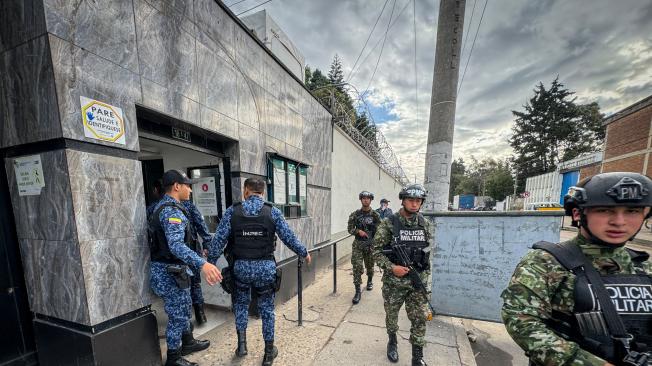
378 42
469 26
365 43
381 49
250 9
416 80
472 46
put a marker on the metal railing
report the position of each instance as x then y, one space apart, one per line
300 274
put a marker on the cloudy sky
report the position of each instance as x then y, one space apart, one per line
601 49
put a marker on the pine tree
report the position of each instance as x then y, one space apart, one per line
335 74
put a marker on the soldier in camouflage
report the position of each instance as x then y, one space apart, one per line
546 306
362 224
409 227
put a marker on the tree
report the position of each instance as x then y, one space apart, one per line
457 174
551 129
488 177
335 74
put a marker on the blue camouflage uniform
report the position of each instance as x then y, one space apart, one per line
198 228
258 274
177 301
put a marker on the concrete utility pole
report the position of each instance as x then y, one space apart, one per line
442 104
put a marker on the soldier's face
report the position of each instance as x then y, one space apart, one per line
614 225
412 204
366 201
184 191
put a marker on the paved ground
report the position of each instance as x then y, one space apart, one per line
335 332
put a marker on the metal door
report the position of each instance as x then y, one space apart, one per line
569 179
206 194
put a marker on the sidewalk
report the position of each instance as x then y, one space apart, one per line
335 332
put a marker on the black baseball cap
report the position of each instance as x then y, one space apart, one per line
384 200
174 176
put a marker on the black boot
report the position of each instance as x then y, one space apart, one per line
241 351
417 356
200 316
175 359
370 284
356 297
270 353
392 348
190 345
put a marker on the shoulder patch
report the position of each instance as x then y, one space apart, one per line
174 220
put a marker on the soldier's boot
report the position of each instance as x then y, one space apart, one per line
358 294
190 345
200 316
270 353
241 351
370 284
417 356
392 348
175 359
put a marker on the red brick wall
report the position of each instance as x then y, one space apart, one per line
631 164
628 134
589 171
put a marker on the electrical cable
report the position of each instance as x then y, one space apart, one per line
416 80
365 43
250 9
472 46
466 39
380 55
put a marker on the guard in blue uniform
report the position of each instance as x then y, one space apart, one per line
250 228
171 255
198 230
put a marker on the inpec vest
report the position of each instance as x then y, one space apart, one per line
365 221
631 295
252 237
158 243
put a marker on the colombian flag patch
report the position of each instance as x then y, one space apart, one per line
174 220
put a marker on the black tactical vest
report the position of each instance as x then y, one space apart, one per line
365 221
414 239
252 237
159 249
631 295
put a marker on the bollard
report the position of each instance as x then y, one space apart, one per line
335 268
300 291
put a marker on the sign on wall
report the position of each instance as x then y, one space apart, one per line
29 175
102 121
204 196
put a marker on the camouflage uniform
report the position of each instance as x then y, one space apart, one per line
397 290
177 301
540 285
362 250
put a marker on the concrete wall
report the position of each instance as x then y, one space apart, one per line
355 171
475 255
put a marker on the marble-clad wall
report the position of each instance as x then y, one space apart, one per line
20 20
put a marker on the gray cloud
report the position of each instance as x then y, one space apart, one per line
601 49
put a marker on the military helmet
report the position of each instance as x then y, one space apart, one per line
610 189
413 191
366 194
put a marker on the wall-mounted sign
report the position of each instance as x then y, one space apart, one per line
102 121
29 175
180 134
204 196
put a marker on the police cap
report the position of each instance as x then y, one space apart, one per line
610 189
384 200
174 176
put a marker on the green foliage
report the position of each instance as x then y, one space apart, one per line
488 177
552 129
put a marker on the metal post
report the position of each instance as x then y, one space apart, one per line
300 290
335 267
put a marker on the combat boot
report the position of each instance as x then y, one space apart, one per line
190 345
417 356
175 359
200 316
370 284
392 348
241 351
270 353
358 294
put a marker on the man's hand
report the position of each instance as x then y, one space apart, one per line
362 233
308 258
212 273
399 271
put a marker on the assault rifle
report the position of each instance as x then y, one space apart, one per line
400 252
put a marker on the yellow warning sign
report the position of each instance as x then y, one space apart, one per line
102 121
